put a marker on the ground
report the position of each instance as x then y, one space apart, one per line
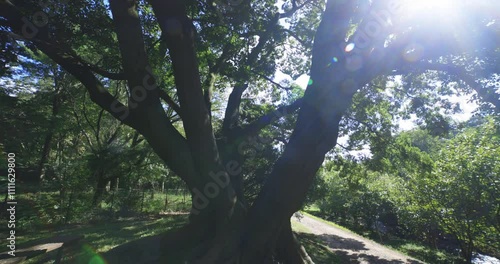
347 246
136 240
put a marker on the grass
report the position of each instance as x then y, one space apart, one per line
314 246
319 252
410 248
422 252
39 210
176 203
328 222
312 208
108 234
41 215
105 236
299 227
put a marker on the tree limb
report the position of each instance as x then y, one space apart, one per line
291 33
459 72
294 9
232 113
109 75
179 34
272 81
263 121
59 53
165 97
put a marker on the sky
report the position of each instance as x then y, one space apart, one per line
404 125
467 107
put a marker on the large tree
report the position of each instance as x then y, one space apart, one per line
212 45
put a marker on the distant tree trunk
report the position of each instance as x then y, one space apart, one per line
166 201
100 188
56 105
69 208
113 186
466 252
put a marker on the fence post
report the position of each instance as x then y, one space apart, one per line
112 200
68 210
142 200
166 200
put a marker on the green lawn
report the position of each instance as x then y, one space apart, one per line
105 236
411 248
314 246
102 237
319 253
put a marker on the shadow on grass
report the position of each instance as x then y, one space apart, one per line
355 258
425 253
103 237
411 248
340 243
339 250
317 250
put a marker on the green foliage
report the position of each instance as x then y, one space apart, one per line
423 252
356 197
465 194
49 209
422 187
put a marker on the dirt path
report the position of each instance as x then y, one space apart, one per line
353 248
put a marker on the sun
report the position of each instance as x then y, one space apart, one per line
432 4
445 9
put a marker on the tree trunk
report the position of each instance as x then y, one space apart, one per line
100 188
113 185
195 243
56 105
264 232
288 248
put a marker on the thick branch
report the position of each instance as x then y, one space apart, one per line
294 9
296 37
233 105
233 108
459 72
263 39
63 56
165 97
179 32
272 81
253 128
315 133
167 142
104 73
141 82
98 94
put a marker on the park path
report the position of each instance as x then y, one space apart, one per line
351 247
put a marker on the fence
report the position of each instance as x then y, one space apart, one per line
75 207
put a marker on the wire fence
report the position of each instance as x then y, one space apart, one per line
75 206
